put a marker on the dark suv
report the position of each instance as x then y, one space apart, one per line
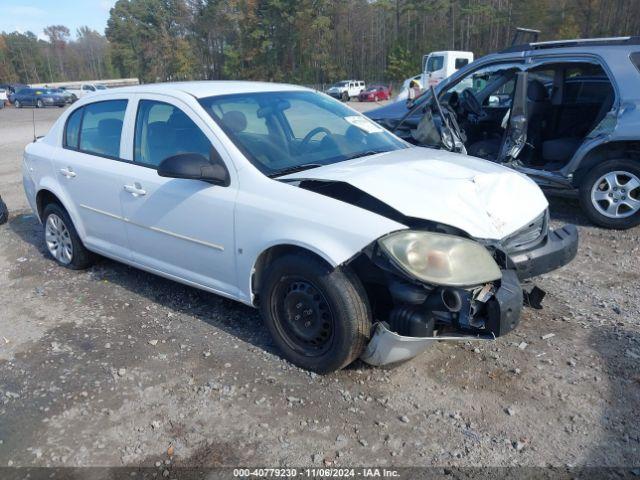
565 113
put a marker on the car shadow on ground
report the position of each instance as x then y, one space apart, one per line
232 317
567 210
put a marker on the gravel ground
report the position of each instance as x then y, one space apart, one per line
113 366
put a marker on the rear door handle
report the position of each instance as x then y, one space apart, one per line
68 172
136 189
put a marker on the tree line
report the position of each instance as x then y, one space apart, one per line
298 41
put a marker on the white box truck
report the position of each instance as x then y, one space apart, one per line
436 66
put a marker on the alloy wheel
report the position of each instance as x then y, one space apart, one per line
58 239
616 194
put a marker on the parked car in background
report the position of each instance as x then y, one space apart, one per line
38 97
70 97
375 93
284 199
346 89
566 113
3 97
11 88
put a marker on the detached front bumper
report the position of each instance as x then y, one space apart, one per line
558 249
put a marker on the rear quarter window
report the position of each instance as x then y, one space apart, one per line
72 129
635 59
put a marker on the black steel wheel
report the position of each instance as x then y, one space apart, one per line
318 316
302 316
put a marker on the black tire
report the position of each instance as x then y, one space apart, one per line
17 104
81 258
589 183
39 103
344 97
332 304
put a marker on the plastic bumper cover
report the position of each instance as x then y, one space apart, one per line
558 249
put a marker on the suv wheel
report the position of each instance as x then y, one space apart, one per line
319 317
17 104
345 97
62 240
39 103
610 194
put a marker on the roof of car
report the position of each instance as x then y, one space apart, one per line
202 89
575 43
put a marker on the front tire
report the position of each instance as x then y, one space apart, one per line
39 103
17 104
319 317
345 97
610 194
62 240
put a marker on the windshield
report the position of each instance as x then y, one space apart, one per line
341 84
287 131
101 87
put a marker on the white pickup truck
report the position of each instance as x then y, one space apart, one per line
83 89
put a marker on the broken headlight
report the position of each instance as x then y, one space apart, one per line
441 259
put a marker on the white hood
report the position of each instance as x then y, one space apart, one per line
482 198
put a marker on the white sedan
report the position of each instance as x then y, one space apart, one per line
351 242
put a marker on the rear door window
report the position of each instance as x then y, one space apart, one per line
101 128
162 131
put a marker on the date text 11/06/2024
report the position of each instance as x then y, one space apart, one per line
316 472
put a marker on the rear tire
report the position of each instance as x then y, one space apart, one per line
39 103
62 240
610 194
319 317
17 104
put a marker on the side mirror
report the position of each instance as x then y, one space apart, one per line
194 166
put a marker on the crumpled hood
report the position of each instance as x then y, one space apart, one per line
482 198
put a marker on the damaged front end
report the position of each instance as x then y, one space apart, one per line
466 305
421 315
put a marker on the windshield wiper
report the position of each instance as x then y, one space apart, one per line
294 169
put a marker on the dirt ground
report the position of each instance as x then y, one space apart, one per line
113 366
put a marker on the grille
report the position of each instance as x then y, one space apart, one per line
529 235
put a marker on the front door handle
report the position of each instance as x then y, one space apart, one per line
136 189
68 172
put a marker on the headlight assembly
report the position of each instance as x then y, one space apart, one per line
441 259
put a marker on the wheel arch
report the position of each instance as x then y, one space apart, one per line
46 194
621 149
268 255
